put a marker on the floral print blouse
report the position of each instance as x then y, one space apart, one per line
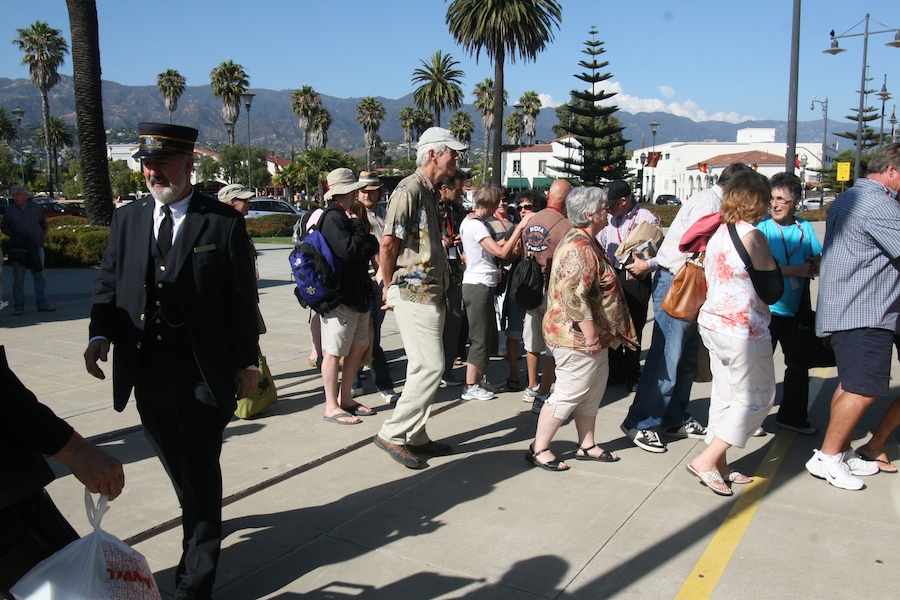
732 307
585 287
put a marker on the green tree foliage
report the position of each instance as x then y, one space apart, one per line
61 137
407 118
484 104
171 85
304 103
514 127
369 114
439 89
531 105
229 81
121 178
208 169
8 130
45 50
595 127
503 29
462 126
315 165
10 171
320 121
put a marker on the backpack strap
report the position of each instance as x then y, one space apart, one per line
739 246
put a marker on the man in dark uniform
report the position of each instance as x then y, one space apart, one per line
176 296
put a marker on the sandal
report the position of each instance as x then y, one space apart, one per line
336 418
738 478
605 455
884 466
554 465
710 477
358 410
514 385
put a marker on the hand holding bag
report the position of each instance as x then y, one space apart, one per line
265 394
688 290
99 566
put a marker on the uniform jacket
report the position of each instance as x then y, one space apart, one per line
215 284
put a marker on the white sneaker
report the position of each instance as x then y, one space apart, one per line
530 394
858 465
390 396
836 473
476 392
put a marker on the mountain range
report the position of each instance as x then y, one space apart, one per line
274 126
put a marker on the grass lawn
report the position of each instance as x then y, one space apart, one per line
273 240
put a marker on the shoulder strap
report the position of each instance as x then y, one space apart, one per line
739 246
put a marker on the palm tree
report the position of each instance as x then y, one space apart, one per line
89 110
462 126
503 28
303 103
7 128
320 121
317 163
369 114
45 50
484 103
531 104
171 86
440 87
423 120
407 118
229 81
514 128
61 136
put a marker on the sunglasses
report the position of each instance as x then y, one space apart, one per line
526 207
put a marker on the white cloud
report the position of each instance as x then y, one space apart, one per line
687 108
547 101
666 91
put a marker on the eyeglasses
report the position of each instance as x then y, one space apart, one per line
781 200
526 207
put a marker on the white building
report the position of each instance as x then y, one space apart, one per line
686 167
536 166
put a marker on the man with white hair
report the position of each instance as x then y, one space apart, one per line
413 260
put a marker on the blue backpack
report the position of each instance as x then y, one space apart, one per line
317 271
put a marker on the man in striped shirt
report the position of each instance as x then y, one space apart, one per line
858 309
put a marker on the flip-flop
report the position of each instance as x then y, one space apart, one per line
736 476
356 412
605 456
707 477
884 466
341 415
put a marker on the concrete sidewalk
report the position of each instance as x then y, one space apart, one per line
313 509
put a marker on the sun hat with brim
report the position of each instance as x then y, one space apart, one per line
439 135
160 140
371 179
235 191
341 181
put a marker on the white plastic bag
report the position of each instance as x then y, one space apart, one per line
99 566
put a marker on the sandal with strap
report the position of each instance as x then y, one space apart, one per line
710 477
738 478
556 466
605 455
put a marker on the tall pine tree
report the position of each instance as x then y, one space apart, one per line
595 127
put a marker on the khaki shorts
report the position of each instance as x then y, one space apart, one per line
343 327
533 330
580 382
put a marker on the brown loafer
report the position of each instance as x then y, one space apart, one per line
430 448
400 453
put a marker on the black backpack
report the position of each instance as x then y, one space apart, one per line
526 283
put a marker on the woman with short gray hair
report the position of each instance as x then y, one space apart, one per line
586 315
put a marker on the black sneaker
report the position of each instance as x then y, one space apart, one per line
645 439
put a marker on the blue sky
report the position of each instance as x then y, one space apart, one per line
703 59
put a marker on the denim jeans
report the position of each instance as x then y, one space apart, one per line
664 390
40 285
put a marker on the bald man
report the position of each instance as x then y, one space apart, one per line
543 234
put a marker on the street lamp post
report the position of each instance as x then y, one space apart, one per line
893 122
520 111
835 49
229 128
885 96
654 126
247 97
803 162
19 114
812 106
641 178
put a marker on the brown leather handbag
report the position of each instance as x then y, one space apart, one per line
688 290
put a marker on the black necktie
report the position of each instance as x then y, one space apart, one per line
164 237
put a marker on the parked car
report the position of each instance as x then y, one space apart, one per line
55 209
121 201
76 207
260 207
667 199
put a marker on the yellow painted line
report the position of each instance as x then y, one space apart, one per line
708 570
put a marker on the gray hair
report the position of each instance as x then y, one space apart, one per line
584 201
17 187
422 152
